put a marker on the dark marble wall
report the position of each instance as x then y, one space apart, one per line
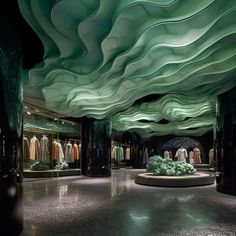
11 209
96 147
226 143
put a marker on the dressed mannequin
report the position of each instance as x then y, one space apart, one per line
181 154
197 156
166 154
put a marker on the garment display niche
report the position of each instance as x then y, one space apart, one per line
51 146
120 154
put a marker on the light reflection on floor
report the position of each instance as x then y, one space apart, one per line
118 206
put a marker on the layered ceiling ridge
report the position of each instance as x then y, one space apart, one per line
102 56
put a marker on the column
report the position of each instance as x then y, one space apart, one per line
226 143
96 147
11 209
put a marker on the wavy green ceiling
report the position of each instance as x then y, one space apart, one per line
102 56
185 115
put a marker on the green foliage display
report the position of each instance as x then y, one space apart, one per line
62 165
166 166
39 165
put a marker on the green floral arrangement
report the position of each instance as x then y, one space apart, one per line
62 165
166 166
39 165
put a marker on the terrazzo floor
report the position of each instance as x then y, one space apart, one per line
116 206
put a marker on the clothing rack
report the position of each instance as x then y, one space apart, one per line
115 143
73 139
35 130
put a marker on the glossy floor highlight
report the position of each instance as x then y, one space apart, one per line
86 206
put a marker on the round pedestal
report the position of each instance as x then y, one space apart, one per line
196 179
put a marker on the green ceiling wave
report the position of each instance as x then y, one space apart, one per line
144 133
181 112
101 56
191 127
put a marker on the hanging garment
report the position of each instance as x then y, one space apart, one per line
196 156
69 157
34 148
127 153
181 154
113 152
119 154
211 156
60 151
55 150
75 151
26 149
44 152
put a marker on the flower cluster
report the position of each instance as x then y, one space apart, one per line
166 166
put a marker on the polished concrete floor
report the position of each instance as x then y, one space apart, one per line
117 206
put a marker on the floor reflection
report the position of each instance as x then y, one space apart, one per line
117 206
119 183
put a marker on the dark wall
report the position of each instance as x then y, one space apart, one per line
30 43
226 143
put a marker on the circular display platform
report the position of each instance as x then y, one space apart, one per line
197 179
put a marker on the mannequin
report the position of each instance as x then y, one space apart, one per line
166 154
197 156
181 154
